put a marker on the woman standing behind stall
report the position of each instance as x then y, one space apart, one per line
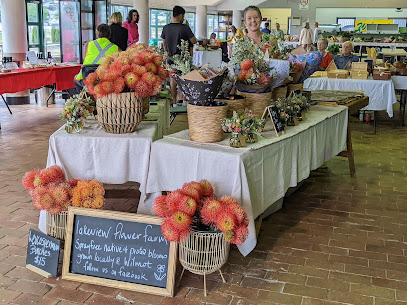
119 34
306 37
131 25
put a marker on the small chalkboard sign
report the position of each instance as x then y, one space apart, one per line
121 250
42 253
274 114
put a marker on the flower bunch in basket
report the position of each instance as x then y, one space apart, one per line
76 110
51 191
243 123
137 69
194 207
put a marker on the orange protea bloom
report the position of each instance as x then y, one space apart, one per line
181 221
149 78
210 211
98 90
168 230
163 73
86 203
242 75
147 57
85 192
107 86
238 211
107 60
118 85
151 67
138 60
98 202
184 234
131 79
246 64
241 233
187 205
225 221
36 194
194 185
28 180
142 89
160 207
173 198
76 202
229 236
226 200
158 60
55 210
126 68
46 201
59 193
140 70
207 189
91 80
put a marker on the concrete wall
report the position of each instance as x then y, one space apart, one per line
279 15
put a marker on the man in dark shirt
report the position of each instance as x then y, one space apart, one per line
266 28
172 34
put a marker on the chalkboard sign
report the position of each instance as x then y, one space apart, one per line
118 249
274 113
42 253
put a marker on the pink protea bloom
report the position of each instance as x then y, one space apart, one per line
160 207
28 180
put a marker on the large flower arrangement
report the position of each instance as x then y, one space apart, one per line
195 207
137 69
51 192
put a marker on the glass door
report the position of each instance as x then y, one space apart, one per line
35 35
69 22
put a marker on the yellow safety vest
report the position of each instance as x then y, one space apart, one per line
95 51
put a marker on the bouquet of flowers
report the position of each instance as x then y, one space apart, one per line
76 110
51 192
274 45
137 69
243 123
194 207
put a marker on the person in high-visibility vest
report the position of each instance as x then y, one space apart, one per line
95 51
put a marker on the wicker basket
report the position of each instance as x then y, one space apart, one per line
295 87
257 102
146 105
56 224
204 253
204 122
237 104
280 92
119 113
296 76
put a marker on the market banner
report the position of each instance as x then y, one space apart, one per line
361 25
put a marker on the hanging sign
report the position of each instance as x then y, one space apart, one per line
304 4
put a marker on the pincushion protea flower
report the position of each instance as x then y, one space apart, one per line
193 206
28 180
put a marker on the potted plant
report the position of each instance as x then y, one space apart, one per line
122 84
200 88
203 225
51 192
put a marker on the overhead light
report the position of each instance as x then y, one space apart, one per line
399 9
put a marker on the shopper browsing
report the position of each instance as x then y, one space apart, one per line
131 24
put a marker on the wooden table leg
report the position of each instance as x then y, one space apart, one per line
348 153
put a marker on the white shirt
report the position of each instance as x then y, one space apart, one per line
316 33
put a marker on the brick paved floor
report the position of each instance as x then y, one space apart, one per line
338 240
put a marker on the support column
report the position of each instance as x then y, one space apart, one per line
201 22
237 19
15 40
142 6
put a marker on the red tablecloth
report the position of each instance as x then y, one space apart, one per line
23 79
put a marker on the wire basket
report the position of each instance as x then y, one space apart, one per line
119 113
56 224
204 253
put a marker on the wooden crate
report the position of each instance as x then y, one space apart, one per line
359 74
385 75
338 74
359 66
320 74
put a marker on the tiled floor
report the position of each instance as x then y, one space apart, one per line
338 240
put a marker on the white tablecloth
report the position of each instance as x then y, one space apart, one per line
212 58
380 92
400 82
257 175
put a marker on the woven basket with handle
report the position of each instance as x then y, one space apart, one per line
257 102
295 87
204 253
205 122
119 113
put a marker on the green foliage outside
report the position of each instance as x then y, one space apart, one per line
34 36
55 35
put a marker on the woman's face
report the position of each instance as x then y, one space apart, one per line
321 46
252 21
134 16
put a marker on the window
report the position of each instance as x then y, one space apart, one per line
212 25
400 22
1 36
190 17
34 26
158 19
346 24
123 9
50 13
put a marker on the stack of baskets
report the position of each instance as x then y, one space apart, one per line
257 102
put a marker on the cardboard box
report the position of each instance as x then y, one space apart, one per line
359 74
342 74
359 66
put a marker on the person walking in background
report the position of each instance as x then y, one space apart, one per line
306 37
172 35
317 32
119 34
278 32
132 27
266 28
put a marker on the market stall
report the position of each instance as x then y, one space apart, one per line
257 175
380 92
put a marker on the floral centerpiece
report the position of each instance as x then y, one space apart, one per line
245 124
292 107
76 110
195 208
50 191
